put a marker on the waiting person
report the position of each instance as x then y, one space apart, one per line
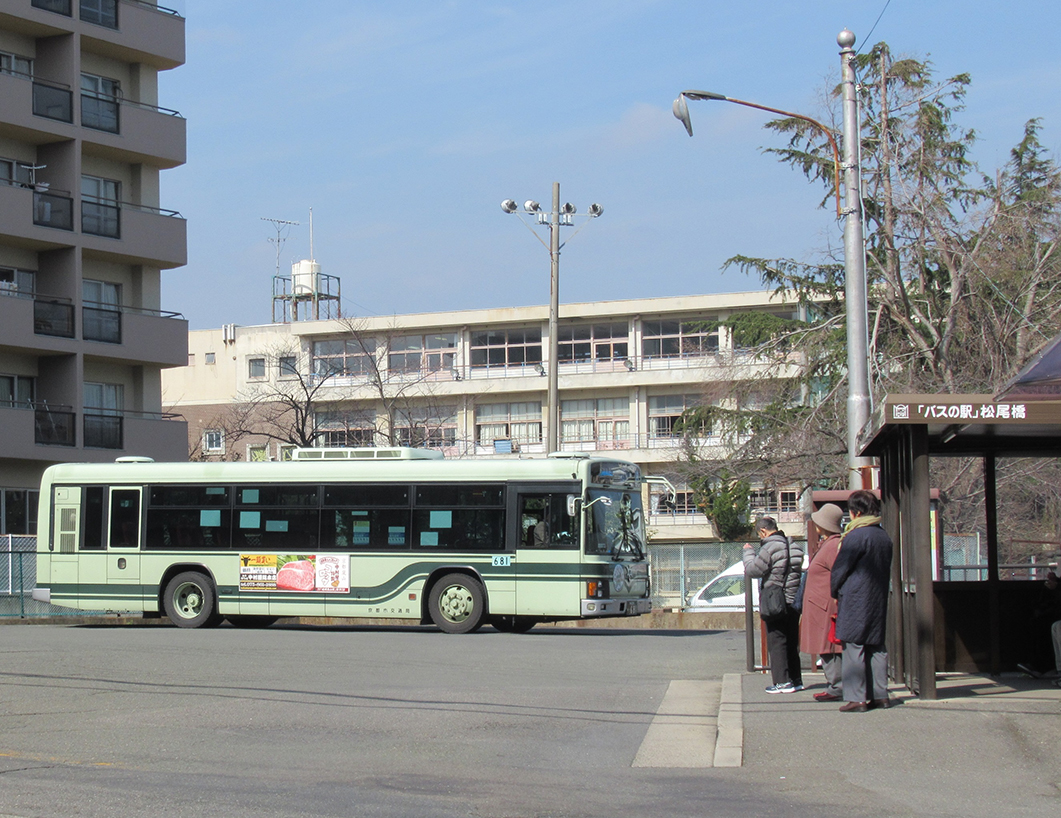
1044 630
778 562
819 607
860 579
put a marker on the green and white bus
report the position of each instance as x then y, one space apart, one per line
368 533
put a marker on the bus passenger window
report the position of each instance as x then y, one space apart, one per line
125 518
92 519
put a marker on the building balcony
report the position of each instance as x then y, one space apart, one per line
134 132
133 31
145 235
150 337
36 111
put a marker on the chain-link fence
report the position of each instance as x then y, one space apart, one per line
679 570
18 578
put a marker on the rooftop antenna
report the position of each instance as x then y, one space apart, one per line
282 229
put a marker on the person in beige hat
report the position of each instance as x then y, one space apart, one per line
819 607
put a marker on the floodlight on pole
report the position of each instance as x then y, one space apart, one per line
559 216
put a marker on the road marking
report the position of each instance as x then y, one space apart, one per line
682 733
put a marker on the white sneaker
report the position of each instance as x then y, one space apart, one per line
782 687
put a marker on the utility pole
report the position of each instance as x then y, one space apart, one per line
855 297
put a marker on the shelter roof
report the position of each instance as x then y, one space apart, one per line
970 425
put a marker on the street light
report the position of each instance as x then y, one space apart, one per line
559 216
858 395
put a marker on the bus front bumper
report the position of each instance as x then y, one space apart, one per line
615 607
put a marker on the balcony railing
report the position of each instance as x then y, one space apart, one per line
53 101
63 7
100 113
102 429
53 210
53 425
53 316
101 12
101 323
101 219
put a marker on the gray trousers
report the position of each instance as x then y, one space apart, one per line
832 664
864 669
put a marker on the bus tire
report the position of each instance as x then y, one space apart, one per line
190 601
250 620
457 604
513 624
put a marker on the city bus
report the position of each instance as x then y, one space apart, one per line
393 533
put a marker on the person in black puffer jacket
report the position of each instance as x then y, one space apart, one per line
860 580
778 562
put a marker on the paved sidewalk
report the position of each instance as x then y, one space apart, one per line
986 747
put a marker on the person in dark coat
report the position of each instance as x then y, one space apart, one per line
819 607
778 562
860 579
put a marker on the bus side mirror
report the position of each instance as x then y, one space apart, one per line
573 503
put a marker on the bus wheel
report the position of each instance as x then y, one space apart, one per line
190 602
457 604
250 620
513 624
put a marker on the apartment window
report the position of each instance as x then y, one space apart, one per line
14 64
17 390
256 367
258 453
16 282
596 420
99 103
773 501
103 415
504 348
427 427
99 206
288 366
344 358
209 358
100 12
422 353
677 339
213 441
597 342
519 422
345 428
18 511
102 311
665 415
13 172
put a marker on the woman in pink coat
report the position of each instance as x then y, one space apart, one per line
819 607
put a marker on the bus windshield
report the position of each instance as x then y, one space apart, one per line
615 525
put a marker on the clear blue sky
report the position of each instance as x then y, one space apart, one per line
404 124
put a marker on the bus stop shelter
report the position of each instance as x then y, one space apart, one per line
936 626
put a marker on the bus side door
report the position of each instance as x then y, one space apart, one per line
124 532
548 563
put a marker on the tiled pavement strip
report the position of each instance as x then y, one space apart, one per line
700 723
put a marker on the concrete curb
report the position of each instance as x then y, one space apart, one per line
729 745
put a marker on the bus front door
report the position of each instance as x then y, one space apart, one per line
547 560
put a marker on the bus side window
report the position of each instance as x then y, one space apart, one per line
125 518
92 519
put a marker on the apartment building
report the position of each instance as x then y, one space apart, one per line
474 383
84 239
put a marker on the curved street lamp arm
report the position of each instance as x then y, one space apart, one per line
681 111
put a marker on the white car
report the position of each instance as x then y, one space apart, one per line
725 593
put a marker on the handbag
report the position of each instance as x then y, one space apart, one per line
797 604
832 632
772 602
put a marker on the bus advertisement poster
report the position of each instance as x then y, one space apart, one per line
305 573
